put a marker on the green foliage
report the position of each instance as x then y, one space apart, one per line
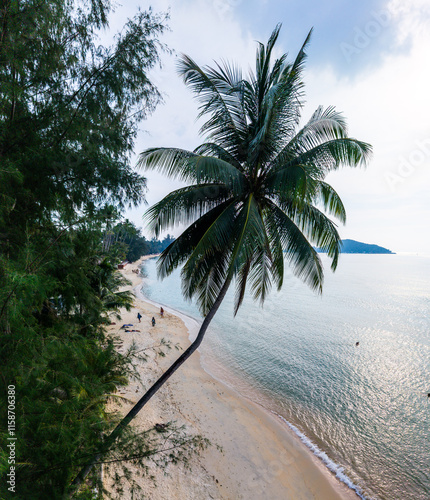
157 246
257 193
126 241
69 111
53 350
164 444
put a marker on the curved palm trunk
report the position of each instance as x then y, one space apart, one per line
148 395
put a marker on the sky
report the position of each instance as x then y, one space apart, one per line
369 59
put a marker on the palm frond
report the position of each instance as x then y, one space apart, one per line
211 169
331 201
190 166
216 237
287 183
173 162
328 156
254 258
279 116
205 270
213 149
184 205
179 250
241 279
206 279
324 125
277 254
317 228
297 68
302 257
262 70
217 98
260 275
250 234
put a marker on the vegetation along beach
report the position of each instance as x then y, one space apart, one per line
185 309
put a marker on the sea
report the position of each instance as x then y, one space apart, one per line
348 371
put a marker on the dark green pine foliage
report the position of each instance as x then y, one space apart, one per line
128 241
69 110
54 351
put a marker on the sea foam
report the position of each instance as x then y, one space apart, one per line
328 462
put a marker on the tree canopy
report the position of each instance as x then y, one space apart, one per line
69 109
69 112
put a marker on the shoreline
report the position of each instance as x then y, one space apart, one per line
336 470
262 457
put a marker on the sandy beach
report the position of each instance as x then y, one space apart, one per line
260 458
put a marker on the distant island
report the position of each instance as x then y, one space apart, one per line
352 246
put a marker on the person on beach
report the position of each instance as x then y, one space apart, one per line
161 311
139 316
153 321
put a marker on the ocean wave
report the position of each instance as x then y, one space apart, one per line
328 462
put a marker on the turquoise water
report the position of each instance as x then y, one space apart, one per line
364 410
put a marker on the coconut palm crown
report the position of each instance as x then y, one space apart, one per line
257 193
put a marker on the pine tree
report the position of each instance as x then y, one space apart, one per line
69 111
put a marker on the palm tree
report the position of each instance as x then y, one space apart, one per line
257 195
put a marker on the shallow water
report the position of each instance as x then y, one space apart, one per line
363 409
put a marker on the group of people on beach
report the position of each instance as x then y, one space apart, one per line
139 316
